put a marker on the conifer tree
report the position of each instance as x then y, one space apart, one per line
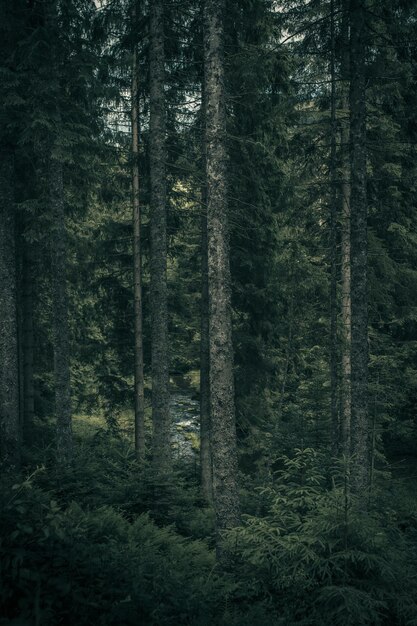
334 379
53 160
10 28
345 348
223 428
137 263
360 436
159 312
60 312
9 369
27 314
205 418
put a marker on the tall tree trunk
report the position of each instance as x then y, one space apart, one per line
333 247
9 362
159 312
345 401
360 432
27 337
60 314
223 428
137 269
19 307
205 421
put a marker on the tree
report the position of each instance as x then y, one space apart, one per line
205 418
53 161
223 428
137 265
334 352
345 348
10 29
27 330
159 312
9 370
60 312
360 435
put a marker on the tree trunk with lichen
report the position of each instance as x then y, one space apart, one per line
223 428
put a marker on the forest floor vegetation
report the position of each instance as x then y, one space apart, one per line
104 541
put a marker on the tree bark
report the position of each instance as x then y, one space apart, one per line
360 432
206 464
223 428
137 269
334 379
159 312
9 361
27 337
345 401
205 421
60 314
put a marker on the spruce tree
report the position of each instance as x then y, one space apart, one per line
60 312
9 367
345 347
137 263
360 435
159 312
10 29
223 428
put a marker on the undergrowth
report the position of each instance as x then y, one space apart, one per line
106 542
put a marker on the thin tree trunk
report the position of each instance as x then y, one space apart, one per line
9 365
60 314
360 432
223 427
333 249
159 313
345 401
137 268
28 337
205 425
206 463
19 307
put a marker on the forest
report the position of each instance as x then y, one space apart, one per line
208 312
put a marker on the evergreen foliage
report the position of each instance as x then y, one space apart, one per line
105 539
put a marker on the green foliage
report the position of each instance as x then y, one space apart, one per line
71 564
315 558
105 540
